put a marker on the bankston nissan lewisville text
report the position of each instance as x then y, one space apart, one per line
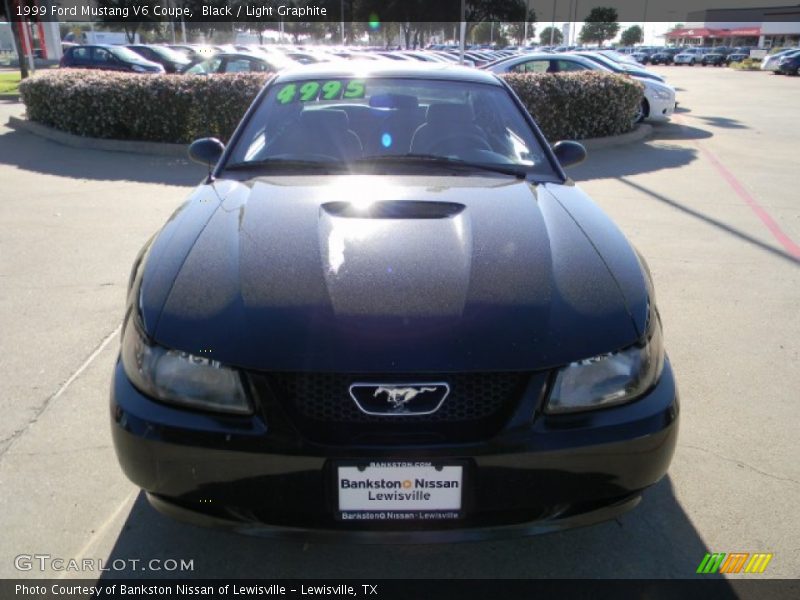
195 590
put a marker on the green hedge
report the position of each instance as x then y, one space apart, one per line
159 108
581 104
179 108
748 64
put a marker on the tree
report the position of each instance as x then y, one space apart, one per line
130 25
632 35
479 11
544 37
601 25
516 29
313 29
403 13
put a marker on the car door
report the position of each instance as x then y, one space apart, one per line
80 57
103 59
564 65
235 64
536 65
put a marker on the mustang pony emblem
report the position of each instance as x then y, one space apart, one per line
398 397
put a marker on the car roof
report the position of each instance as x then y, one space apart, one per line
401 70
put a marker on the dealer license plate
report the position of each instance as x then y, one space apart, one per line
399 490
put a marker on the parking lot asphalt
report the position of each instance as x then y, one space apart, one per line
711 202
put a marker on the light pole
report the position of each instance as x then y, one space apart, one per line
341 22
575 22
553 23
527 12
644 22
463 32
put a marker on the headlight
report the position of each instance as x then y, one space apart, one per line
662 93
608 379
181 378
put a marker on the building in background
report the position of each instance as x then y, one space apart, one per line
765 27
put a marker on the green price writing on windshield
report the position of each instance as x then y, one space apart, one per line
323 90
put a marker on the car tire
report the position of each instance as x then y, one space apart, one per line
642 112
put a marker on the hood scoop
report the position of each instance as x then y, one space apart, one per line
393 209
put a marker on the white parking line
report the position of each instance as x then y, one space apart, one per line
40 410
99 532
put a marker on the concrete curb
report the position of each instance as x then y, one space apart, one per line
641 132
87 143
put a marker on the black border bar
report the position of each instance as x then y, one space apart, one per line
702 588
409 11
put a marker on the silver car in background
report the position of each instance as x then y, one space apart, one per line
658 103
771 61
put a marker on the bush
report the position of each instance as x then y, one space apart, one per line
158 108
748 64
180 109
582 104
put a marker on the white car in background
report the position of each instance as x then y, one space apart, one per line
771 61
689 57
658 103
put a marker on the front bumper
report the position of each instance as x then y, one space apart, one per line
660 109
545 474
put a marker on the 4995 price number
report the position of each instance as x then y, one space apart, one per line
322 90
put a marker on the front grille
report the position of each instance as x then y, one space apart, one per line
476 407
325 397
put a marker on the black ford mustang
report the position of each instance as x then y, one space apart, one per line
388 314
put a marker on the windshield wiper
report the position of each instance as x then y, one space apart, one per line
434 159
284 164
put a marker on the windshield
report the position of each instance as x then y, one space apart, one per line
169 54
606 62
206 67
354 122
126 54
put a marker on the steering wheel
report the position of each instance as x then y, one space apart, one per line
458 142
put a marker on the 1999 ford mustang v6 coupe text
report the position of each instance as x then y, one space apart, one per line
388 314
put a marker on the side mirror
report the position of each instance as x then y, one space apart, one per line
569 153
206 151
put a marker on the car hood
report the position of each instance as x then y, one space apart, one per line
376 274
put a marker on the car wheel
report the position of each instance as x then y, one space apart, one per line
641 112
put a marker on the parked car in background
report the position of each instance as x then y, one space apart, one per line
712 58
619 57
738 55
233 62
770 62
172 60
658 103
108 58
664 56
689 57
789 64
642 55
625 68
